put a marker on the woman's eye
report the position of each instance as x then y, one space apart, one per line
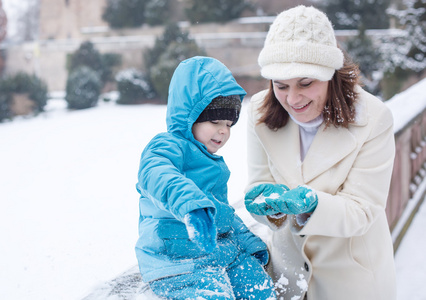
281 87
305 84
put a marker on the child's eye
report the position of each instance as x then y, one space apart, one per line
215 122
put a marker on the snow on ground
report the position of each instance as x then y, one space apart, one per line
69 207
410 260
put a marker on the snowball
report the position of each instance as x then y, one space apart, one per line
261 198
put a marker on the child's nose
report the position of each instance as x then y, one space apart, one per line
224 129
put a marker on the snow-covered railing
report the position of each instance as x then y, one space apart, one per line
408 185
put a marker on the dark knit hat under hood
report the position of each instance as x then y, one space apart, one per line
222 108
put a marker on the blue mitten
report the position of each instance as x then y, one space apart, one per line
299 200
201 228
262 256
256 199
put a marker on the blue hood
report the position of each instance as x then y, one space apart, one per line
195 83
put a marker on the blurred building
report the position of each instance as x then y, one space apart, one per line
67 18
65 24
70 19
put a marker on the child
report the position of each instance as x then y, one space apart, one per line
191 243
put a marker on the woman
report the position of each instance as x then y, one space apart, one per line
320 158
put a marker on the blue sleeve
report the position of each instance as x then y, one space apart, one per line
161 179
248 241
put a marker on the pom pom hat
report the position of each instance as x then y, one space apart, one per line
300 43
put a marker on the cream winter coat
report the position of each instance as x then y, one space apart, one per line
344 250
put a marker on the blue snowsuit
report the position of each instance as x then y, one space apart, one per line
178 175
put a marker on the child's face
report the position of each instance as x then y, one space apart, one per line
213 134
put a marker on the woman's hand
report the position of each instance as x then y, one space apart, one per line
257 197
299 200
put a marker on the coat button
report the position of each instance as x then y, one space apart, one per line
306 267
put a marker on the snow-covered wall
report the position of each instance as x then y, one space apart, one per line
407 105
408 184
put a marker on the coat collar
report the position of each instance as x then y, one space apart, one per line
321 156
283 148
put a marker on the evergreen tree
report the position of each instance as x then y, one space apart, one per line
109 62
134 13
365 54
349 14
404 51
407 49
157 12
87 55
172 33
124 13
168 51
162 72
204 11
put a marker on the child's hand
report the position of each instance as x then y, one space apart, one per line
256 199
262 256
201 229
299 200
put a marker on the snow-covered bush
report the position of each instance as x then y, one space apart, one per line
133 87
22 83
4 105
83 88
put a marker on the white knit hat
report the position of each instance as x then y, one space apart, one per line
300 43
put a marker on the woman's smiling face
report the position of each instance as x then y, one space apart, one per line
303 98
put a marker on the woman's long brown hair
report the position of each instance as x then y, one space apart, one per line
339 109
